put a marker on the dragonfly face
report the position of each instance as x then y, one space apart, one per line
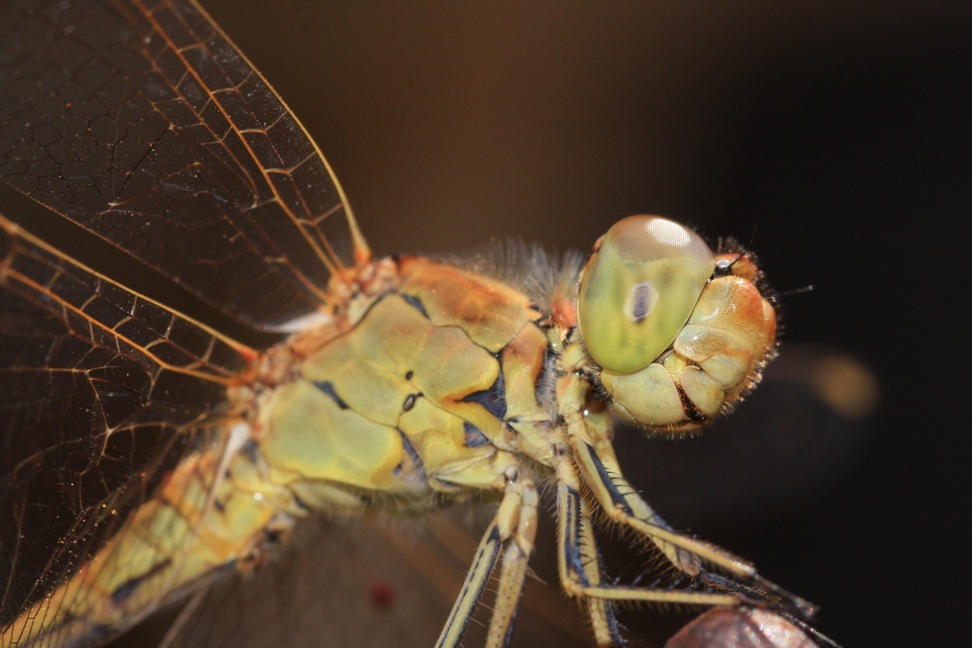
678 333
144 450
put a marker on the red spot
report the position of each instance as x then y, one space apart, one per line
381 593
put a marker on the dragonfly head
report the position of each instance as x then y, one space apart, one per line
678 333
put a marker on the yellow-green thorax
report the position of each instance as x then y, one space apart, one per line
413 397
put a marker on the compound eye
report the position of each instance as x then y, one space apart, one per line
638 289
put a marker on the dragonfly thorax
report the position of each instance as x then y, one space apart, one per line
433 385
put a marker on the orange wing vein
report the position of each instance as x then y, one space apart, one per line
140 121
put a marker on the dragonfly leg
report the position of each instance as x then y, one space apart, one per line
574 576
515 525
622 504
513 572
600 611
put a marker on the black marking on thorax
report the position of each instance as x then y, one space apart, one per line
415 303
326 387
474 436
419 475
493 399
410 401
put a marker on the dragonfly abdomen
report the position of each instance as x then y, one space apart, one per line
212 512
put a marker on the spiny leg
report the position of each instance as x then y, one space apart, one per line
472 588
515 523
601 612
623 505
617 500
573 575
514 570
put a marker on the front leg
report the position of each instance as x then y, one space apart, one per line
624 505
573 575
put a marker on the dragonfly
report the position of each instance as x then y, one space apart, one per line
145 451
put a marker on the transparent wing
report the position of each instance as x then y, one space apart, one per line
102 393
142 122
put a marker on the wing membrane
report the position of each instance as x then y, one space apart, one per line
141 122
102 393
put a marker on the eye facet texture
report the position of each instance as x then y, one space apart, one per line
639 288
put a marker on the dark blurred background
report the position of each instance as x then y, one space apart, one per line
836 135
